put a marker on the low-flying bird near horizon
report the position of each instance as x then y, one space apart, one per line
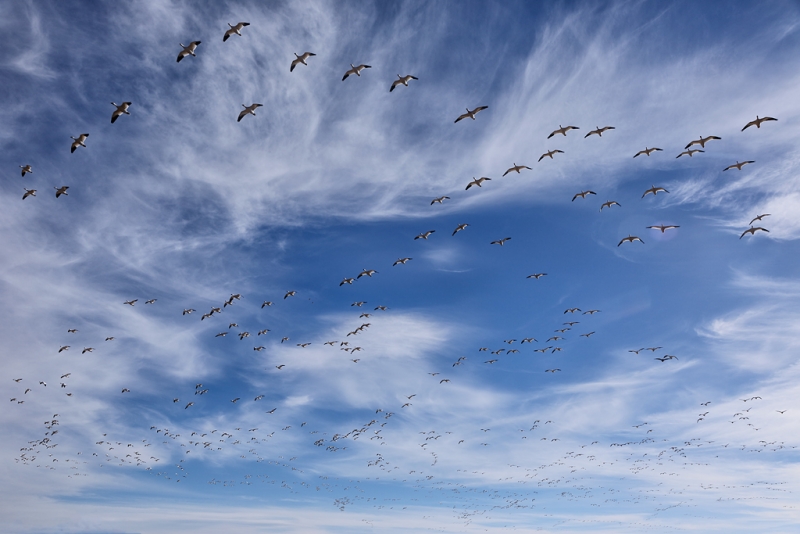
516 168
78 141
702 141
583 194
654 191
609 203
301 59
122 109
757 122
688 153
562 130
549 154
477 181
355 70
188 50
471 114
248 110
599 131
647 151
752 231
402 80
234 29
630 239
663 227
738 165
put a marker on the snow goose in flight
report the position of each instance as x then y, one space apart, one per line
29 193
738 165
248 110
477 181
663 227
131 302
702 141
599 131
647 151
759 217
688 153
630 239
78 141
500 242
401 260
289 294
439 200
61 190
550 154
757 122
609 203
562 130
752 231
654 190
188 50
187 311
460 227
516 168
471 114
355 70
536 275
264 331
233 29
402 80
425 235
551 370
62 349
367 272
267 303
583 194
25 169
301 59
122 109
347 281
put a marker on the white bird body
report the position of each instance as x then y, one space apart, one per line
188 50
402 80
233 29
248 110
78 141
122 109
355 70
471 114
301 59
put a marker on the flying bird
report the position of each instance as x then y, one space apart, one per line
402 80
477 181
664 227
301 59
188 50
187 311
233 29
28 193
599 131
62 349
759 217
471 114
609 203
347 281
425 235
267 303
702 141
583 194
630 239
500 241
131 302
571 310
248 110
654 190
355 70
78 141
122 109
757 122
25 169
460 227
516 168
402 261
439 200
536 275
562 130
288 294
752 231
647 151
688 153
737 165
551 370
550 153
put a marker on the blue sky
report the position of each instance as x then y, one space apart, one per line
181 203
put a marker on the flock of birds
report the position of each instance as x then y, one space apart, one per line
216 440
